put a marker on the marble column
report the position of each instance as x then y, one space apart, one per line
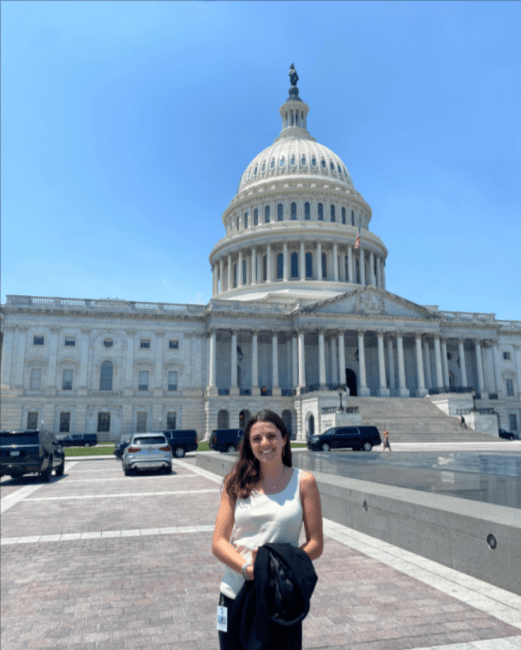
158 379
437 354
214 279
364 391
403 390
20 340
234 390
334 360
427 363
276 391
383 391
294 360
301 360
319 261
444 362
390 360
497 365
350 264
285 274
7 355
518 368
302 262
342 360
230 274
362 267
221 275
253 265
254 363
371 269
335 262
479 366
421 390
269 274
462 365
321 360
212 388
53 356
239 270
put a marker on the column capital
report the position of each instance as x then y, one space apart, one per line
400 334
54 330
86 331
516 346
321 330
210 331
234 331
361 332
274 333
380 333
255 332
461 340
161 334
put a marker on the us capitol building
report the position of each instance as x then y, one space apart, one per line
299 308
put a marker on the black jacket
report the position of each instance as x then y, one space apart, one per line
268 611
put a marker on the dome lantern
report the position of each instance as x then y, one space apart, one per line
294 112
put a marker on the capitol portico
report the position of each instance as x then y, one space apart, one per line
299 310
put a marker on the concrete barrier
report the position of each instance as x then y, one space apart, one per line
480 539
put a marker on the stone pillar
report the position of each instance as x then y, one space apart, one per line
404 391
371 269
53 355
7 355
383 391
294 360
275 390
342 360
20 341
335 262
479 366
334 361
158 383
301 360
444 362
221 275
437 353
234 390
269 275
421 390
364 391
285 274
321 360
212 388
254 363
390 358
253 265
350 264
214 279
239 270
362 267
462 365
230 273
319 261
518 369
427 363
302 262
378 273
497 376
128 388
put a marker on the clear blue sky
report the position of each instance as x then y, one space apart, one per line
127 125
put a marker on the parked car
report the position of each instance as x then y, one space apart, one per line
120 446
357 438
31 452
226 440
147 451
507 434
181 441
80 440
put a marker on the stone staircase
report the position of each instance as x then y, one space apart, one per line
414 419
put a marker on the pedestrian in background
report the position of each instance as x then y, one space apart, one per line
387 444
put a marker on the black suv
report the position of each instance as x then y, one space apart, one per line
31 452
507 434
226 440
346 437
80 440
120 447
181 441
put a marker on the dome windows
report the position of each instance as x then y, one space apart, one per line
267 214
272 164
307 211
282 162
320 212
256 217
292 161
280 212
332 166
245 219
255 171
333 216
323 162
343 215
263 168
314 161
294 265
303 160
237 223
293 212
339 170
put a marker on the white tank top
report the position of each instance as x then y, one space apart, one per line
264 518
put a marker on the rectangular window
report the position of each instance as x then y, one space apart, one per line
171 420
510 387
141 423
506 356
32 420
173 344
512 420
144 343
36 379
38 340
70 341
65 422
67 380
103 422
143 380
172 380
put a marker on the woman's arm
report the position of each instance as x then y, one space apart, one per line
221 547
312 515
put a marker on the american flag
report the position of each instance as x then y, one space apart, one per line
357 243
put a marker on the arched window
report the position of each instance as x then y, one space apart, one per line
280 266
105 380
324 266
256 217
307 211
314 161
282 162
303 160
320 212
357 270
263 168
309 265
234 276
294 265
245 219
223 419
255 171
265 268
237 223
267 214
292 161
293 212
339 170
333 217
323 163
352 217
343 215
332 166
272 164
286 418
280 212
244 271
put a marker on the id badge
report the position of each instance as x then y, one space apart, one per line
222 619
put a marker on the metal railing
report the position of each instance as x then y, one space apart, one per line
440 390
337 409
469 411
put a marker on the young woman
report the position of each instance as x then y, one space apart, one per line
264 500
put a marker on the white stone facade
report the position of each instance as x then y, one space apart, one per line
299 307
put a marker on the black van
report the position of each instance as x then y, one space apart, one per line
226 440
31 452
80 440
346 437
181 441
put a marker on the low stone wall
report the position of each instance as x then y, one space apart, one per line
445 529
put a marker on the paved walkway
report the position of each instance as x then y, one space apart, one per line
95 559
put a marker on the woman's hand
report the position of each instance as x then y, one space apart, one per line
249 570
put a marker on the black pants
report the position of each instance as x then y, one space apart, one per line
228 642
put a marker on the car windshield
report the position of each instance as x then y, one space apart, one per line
150 440
29 438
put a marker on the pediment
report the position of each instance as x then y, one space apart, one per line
370 301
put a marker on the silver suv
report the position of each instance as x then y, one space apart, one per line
147 451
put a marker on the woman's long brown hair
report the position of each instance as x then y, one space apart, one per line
245 474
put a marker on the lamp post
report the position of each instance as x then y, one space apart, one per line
473 393
340 392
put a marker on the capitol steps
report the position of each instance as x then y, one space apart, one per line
411 419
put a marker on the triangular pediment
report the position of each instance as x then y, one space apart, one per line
370 301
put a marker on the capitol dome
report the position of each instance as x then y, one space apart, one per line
296 228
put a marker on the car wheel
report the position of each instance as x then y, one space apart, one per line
46 476
61 469
127 471
367 446
325 446
231 449
168 470
15 476
179 452
86 444
510 437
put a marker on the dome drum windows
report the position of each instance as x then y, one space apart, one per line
303 161
280 266
280 212
314 161
263 168
294 265
255 171
272 164
320 212
352 217
256 217
293 212
282 162
267 217
245 219
332 211
309 265
293 161
324 266
343 215
332 166
323 163
307 211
